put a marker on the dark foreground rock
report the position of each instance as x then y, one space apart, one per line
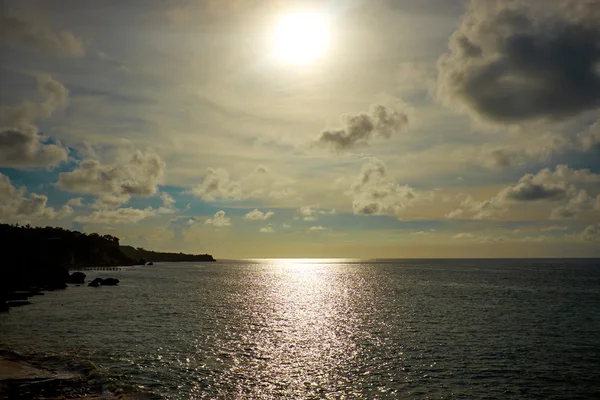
76 277
103 282
95 283
110 282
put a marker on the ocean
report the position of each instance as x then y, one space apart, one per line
338 329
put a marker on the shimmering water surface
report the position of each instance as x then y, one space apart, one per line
429 329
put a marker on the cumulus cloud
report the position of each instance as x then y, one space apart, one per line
267 229
311 213
110 201
15 205
219 220
539 147
167 200
307 213
260 183
21 145
257 215
591 233
576 205
374 193
167 204
547 186
16 29
139 174
317 228
531 188
360 129
116 216
75 202
25 148
590 137
217 185
508 62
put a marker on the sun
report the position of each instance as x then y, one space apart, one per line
301 38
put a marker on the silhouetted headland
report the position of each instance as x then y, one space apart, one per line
39 259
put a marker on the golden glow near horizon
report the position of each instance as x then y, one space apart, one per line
301 38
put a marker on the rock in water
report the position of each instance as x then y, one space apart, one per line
96 282
76 277
104 282
110 282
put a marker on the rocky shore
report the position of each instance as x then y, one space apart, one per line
35 260
21 378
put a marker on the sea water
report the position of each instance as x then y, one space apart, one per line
390 329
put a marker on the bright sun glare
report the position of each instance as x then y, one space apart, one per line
301 38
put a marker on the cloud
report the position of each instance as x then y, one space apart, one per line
75 202
167 204
138 174
311 213
217 185
591 233
167 200
477 238
118 216
53 96
219 220
283 194
15 29
110 201
545 186
307 213
374 194
590 137
554 228
20 144
420 233
538 147
267 229
15 205
360 129
508 62
257 215
260 183
576 205
530 189
317 228
463 235
24 148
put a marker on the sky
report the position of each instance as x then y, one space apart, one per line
341 128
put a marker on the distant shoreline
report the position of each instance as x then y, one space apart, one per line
37 259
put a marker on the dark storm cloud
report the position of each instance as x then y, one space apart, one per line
360 129
15 29
509 63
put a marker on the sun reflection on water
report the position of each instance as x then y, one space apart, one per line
299 334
